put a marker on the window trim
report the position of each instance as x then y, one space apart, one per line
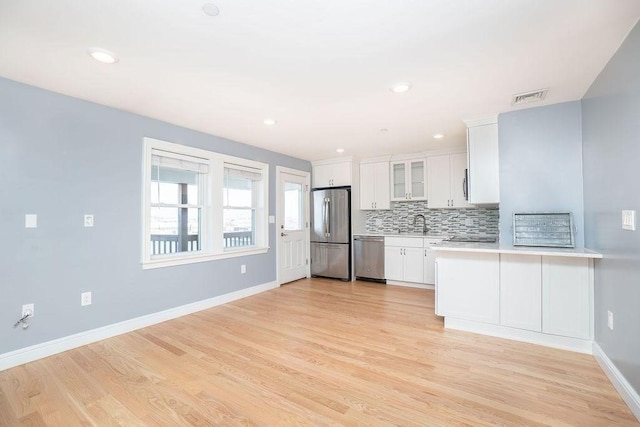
212 245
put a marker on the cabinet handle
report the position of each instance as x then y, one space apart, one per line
409 196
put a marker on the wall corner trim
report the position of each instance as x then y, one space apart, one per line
627 392
49 348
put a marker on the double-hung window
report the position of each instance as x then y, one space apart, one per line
242 206
199 205
177 188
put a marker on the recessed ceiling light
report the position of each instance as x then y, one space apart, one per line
400 87
210 9
269 122
102 55
438 136
340 150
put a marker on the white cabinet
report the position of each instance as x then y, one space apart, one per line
522 294
468 286
521 291
408 180
446 181
484 170
553 295
403 259
567 297
331 174
374 186
429 266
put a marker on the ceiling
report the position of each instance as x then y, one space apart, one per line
322 69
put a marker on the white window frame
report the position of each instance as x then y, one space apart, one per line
211 231
258 205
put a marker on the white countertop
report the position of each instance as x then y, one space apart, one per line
416 235
507 249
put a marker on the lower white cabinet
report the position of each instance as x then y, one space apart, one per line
521 291
567 297
468 286
551 295
403 259
429 266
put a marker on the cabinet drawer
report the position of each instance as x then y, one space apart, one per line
405 242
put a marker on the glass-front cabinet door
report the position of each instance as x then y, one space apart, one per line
417 173
399 180
408 180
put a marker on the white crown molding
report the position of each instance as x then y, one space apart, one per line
49 348
480 121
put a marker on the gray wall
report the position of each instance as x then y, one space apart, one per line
61 158
541 164
611 129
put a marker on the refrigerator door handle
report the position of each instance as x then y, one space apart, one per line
328 216
324 217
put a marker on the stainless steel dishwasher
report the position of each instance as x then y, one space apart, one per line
369 251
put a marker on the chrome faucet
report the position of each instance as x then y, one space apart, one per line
424 223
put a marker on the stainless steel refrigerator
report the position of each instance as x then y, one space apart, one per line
331 233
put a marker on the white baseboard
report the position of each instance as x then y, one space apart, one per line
564 343
627 392
410 284
38 351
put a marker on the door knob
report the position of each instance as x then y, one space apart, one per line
283 234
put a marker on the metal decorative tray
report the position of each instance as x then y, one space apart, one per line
551 229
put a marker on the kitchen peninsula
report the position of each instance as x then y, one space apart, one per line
534 294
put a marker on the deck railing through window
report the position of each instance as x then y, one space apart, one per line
170 243
238 238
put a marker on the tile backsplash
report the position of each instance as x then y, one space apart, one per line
473 221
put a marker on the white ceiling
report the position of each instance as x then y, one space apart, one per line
322 69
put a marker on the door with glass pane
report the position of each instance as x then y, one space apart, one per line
292 231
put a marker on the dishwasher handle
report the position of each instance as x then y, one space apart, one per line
369 238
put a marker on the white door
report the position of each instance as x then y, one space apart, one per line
292 225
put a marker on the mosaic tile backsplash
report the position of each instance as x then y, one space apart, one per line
472 221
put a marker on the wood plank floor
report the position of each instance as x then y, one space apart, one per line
314 352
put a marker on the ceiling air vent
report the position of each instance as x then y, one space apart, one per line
527 97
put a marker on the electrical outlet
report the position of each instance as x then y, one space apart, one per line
85 298
31 221
88 220
610 319
27 310
243 269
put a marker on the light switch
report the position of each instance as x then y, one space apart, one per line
629 220
31 221
88 220
272 219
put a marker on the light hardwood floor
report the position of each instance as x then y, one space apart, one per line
313 352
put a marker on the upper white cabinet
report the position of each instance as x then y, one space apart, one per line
336 174
447 181
408 180
484 172
374 186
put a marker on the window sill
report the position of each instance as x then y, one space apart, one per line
191 259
